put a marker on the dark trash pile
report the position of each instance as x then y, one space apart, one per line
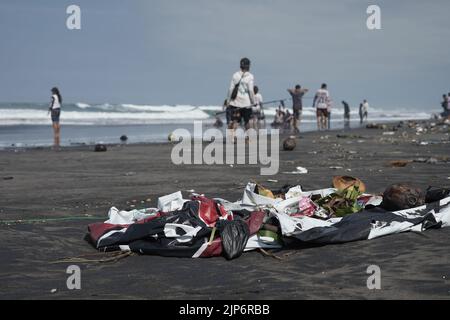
270 219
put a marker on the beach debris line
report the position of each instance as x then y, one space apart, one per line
267 219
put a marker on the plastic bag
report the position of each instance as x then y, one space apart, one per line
234 235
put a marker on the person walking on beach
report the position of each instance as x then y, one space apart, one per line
297 105
241 97
321 102
55 110
346 114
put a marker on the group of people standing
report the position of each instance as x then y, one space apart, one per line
244 104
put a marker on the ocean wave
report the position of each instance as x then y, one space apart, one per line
104 114
41 117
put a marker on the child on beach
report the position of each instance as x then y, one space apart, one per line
55 110
257 111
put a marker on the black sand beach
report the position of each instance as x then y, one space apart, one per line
40 183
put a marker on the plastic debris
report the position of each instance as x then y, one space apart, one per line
299 170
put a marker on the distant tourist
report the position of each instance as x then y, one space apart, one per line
445 105
241 95
321 103
55 110
257 110
363 111
346 114
297 105
279 118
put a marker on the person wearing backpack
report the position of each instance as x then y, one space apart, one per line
241 97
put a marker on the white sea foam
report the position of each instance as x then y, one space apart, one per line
111 114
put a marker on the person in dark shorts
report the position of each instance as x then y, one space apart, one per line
55 110
297 105
445 105
321 102
346 114
241 97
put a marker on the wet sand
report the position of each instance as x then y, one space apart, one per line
41 183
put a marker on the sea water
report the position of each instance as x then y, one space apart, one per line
29 124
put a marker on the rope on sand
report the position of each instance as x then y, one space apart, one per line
19 221
270 254
113 257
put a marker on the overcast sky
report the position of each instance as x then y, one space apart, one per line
185 51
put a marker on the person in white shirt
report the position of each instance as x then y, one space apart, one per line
322 102
364 111
55 110
241 95
257 110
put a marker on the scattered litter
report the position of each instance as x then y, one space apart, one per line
299 170
129 174
205 227
272 180
171 202
100 148
8 178
349 136
399 163
336 167
289 144
53 290
346 182
431 160
376 126
388 133
172 137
